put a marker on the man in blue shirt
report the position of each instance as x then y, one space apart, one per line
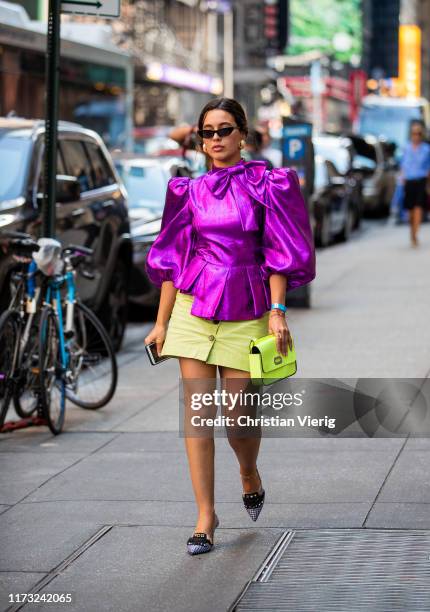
415 173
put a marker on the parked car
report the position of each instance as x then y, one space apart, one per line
145 179
374 162
340 151
91 209
331 204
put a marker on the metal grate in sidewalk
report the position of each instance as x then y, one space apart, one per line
334 570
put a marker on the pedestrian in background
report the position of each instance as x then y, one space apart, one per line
230 242
186 136
254 147
415 174
269 150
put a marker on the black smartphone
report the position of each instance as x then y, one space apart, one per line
151 349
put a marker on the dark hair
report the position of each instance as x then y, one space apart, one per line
230 106
255 139
414 123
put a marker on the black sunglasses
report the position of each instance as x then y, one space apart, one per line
225 131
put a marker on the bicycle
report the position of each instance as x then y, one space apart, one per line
76 357
74 360
18 331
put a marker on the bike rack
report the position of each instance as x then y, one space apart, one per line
23 423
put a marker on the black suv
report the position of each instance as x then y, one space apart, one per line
91 209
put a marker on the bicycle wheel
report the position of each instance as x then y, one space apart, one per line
26 391
9 335
94 370
51 371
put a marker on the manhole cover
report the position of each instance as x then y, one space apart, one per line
343 569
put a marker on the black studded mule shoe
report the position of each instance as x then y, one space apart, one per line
253 502
200 543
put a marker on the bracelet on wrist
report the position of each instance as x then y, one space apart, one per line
278 306
277 313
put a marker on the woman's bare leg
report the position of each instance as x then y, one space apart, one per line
246 447
411 224
417 213
200 450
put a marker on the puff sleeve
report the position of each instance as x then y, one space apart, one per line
170 251
287 237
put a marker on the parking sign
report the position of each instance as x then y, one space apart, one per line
297 151
296 148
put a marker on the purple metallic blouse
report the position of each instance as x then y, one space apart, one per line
224 233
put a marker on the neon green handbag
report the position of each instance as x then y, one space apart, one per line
266 364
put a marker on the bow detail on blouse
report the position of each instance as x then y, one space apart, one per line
250 175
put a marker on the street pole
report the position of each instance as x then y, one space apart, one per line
316 88
212 47
409 12
228 54
51 119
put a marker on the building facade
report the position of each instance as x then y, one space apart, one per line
382 20
178 65
260 31
424 23
176 49
383 59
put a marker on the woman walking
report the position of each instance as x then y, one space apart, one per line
232 242
415 174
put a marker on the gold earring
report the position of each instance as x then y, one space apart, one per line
204 146
241 144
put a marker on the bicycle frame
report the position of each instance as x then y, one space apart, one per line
29 304
53 298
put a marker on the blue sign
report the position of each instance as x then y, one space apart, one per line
302 131
294 148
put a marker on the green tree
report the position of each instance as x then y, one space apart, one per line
314 24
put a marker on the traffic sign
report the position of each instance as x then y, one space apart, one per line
295 148
109 9
298 151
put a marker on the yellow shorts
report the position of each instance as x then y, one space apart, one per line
223 343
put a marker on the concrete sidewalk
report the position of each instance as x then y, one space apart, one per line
103 511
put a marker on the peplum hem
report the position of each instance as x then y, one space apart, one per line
225 292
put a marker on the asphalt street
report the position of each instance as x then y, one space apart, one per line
103 511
